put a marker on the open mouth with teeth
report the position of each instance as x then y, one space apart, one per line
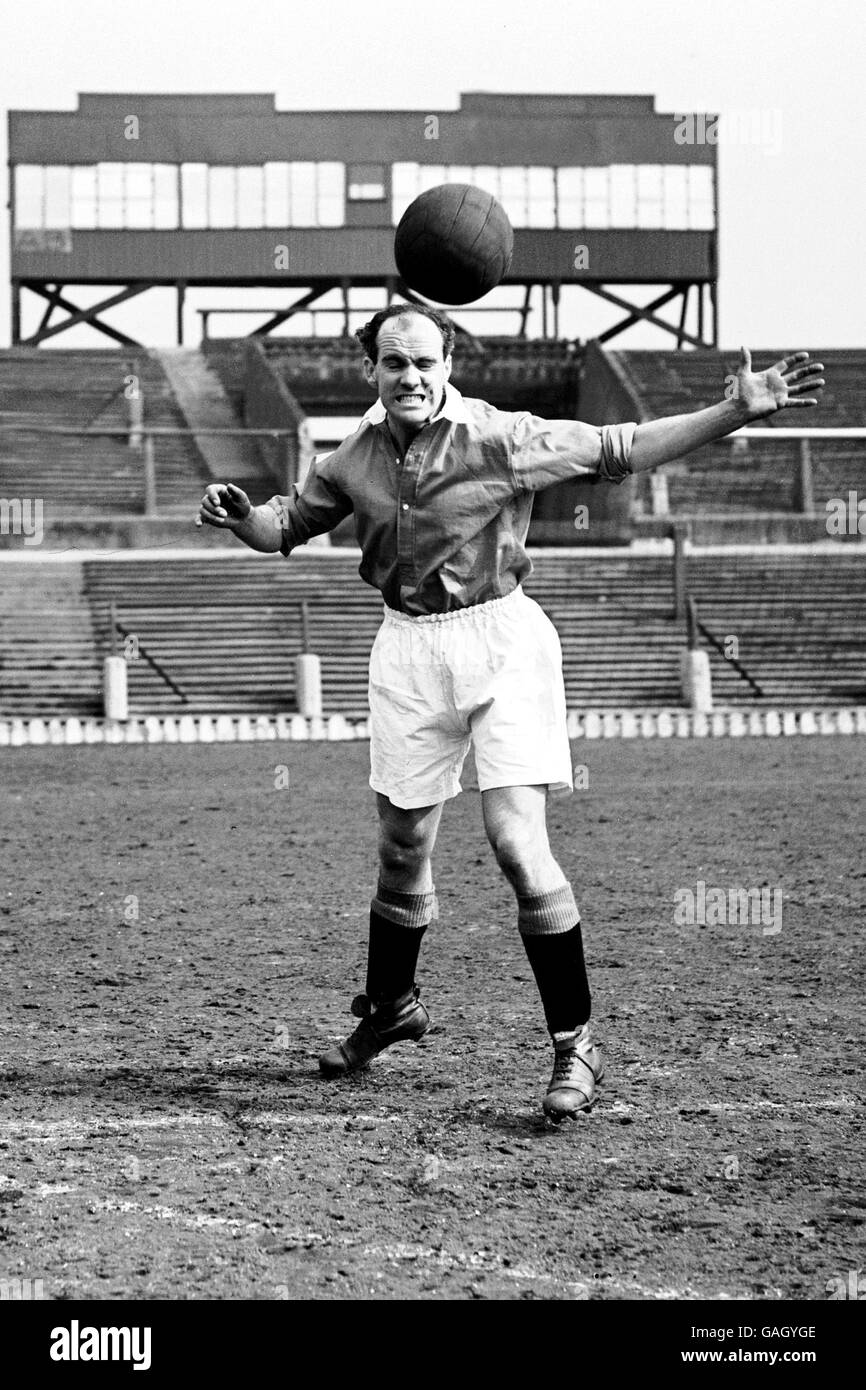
411 398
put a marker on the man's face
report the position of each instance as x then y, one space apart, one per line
410 370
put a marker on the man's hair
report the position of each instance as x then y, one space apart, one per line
368 334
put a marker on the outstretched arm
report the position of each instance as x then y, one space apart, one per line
755 395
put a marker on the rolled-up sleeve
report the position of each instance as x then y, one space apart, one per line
549 451
616 443
319 506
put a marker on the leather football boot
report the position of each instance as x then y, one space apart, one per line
380 1027
577 1069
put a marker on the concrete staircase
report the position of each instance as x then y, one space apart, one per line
205 406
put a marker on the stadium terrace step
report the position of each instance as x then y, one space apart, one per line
49 659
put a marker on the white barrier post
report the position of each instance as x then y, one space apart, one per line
134 409
114 693
696 681
695 677
115 702
308 673
308 685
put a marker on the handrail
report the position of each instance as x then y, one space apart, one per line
122 433
116 627
695 625
746 432
339 309
783 432
797 432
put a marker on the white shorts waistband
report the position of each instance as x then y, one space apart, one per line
475 613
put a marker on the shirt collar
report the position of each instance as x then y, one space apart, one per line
453 409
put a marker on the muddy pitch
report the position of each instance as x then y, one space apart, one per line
181 935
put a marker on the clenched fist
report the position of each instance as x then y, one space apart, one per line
224 505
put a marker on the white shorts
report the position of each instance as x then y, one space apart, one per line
490 675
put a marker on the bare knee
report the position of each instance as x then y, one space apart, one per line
402 853
518 852
406 841
509 847
523 854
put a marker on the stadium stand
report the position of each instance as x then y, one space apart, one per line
744 478
799 623
219 633
227 631
49 654
729 478
224 631
97 475
324 374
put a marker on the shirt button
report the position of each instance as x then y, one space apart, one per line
405 506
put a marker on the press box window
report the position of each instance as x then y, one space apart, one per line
366 183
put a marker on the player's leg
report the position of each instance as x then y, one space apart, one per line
401 911
547 915
518 725
405 901
416 752
549 925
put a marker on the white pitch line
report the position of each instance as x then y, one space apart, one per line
162 1213
46 1131
755 1107
582 1288
313 1120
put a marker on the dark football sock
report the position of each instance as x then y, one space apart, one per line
392 957
560 973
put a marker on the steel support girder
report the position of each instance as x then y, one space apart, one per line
76 316
296 308
638 313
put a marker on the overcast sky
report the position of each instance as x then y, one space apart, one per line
793 222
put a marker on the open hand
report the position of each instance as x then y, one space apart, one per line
788 383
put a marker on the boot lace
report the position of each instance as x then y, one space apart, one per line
563 1066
